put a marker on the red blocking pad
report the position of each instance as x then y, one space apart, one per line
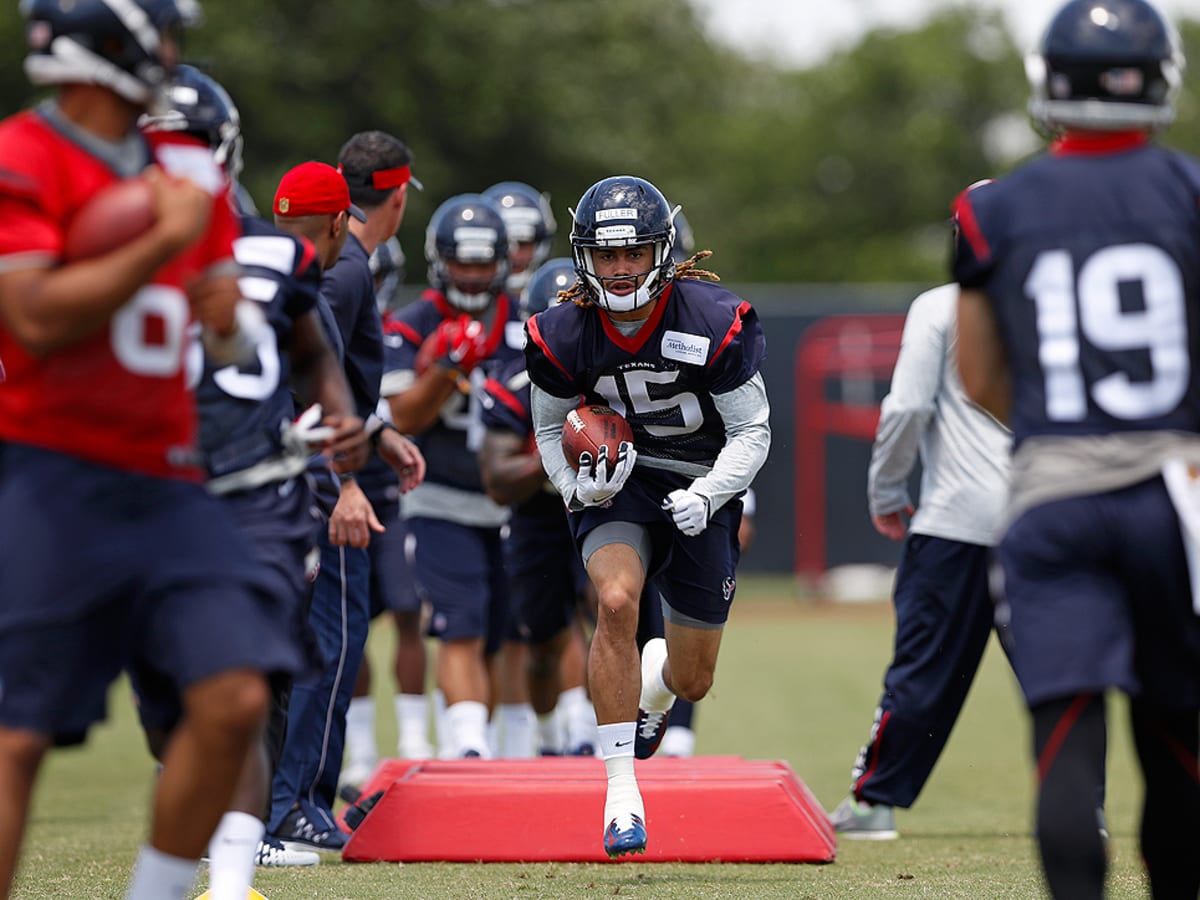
702 809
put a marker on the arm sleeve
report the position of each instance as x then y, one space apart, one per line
906 410
746 414
549 414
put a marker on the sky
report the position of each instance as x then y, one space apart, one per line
803 32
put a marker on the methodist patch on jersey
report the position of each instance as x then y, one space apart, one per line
687 348
607 215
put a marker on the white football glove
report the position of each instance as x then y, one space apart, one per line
689 510
595 485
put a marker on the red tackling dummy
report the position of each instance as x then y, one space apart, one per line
590 427
113 217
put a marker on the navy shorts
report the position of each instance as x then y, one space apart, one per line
281 527
1099 595
100 569
392 587
546 577
460 571
696 575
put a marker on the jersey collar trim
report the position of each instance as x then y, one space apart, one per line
1080 144
637 340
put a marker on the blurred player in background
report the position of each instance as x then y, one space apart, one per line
531 229
548 584
463 325
1078 320
256 455
98 432
944 609
679 358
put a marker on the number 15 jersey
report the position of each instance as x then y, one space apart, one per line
699 340
1090 256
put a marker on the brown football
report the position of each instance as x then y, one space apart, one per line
590 427
113 217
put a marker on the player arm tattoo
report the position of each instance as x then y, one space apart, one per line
549 414
746 414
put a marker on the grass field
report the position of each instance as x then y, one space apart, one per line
798 680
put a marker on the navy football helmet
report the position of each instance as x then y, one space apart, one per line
685 240
199 106
115 43
1105 65
387 268
529 220
623 211
552 276
467 228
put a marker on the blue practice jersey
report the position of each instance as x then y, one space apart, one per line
506 407
349 290
1090 256
242 408
700 340
451 443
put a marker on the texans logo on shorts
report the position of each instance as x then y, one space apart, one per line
728 586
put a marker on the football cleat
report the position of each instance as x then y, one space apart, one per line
620 841
864 821
299 832
272 853
651 726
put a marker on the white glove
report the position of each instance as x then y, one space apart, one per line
594 484
689 510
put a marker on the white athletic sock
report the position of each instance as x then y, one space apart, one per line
466 728
412 721
440 731
549 739
158 876
656 696
231 856
578 718
623 797
517 730
360 734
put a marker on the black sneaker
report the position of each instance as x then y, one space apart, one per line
297 830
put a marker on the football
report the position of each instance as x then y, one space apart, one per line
590 427
113 217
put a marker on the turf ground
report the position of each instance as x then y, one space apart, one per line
798 680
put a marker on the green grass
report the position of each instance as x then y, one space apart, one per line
797 680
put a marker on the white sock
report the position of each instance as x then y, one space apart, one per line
466 727
520 730
623 797
578 718
360 734
655 696
231 856
158 876
412 721
549 740
440 731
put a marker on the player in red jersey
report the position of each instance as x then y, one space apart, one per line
96 438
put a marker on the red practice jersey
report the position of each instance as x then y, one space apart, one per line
118 397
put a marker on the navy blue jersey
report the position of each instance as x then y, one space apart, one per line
1090 256
700 340
451 443
349 289
506 407
241 408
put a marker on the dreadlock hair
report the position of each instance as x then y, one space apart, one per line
578 295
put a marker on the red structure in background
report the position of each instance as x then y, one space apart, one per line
840 360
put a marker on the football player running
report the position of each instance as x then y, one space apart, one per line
1078 317
678 357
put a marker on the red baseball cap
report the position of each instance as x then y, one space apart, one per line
314 189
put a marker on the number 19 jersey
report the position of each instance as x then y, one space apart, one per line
1090 256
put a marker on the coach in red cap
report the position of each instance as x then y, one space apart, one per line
314 189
